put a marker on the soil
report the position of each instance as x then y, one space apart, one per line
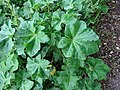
109 32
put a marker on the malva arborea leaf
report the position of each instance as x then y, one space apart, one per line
47 44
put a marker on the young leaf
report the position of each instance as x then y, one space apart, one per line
96 69
60 17
57 19
40 3
22 82
67 80
71 4
88 84
6 34
26 85
5 79
72 65
9 63
38 66
2 80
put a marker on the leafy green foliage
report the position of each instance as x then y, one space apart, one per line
67 80
37 66
78 41
45 45
88 84
96 69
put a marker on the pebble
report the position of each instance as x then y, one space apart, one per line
111 52
117 70
110 55
105 43
117 84
113 1
114 37
119 38
117 48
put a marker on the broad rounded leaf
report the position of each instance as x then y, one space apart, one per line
97 69
30 37
71 4
26 85
6 34
79 41
67 81
37 65
88 84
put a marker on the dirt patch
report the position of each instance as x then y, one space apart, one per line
109 32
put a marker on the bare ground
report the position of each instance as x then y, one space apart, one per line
109 32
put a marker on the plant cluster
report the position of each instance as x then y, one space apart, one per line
48 45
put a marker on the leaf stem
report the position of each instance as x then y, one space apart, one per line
48 6
62 55
46 51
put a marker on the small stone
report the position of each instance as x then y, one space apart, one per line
105 43
110 56
117 84
102 35
114 37
112 28
119 38
117 48
111 52
117 70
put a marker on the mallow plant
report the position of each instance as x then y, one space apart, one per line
49 44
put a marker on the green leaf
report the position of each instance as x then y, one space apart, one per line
6 34
68 4
45 45
104 8
67 80
2 80
72 65
38 66
60 17
39 3
57 19
78 41
5 79
9 63
88 84
96 69
26 85
22 82
71 4
30 37
39 85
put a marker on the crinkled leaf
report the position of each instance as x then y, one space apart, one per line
2 80
57 19
72 65
38 66
39 3
6 33
78 41
22 82
71 4
88 84
39 85
9 63
5 79
60 17
67 80
26 85
97 69
30 38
